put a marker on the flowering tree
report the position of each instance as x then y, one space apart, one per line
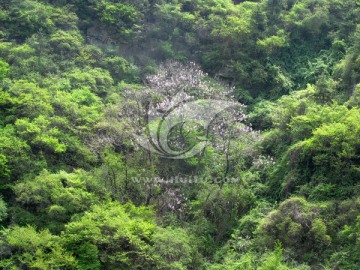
184 116
176 115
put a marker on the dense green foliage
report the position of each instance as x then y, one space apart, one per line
76 81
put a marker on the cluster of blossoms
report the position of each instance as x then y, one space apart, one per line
173 77
263 161
172 200
177 83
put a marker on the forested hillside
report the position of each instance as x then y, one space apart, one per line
258 103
